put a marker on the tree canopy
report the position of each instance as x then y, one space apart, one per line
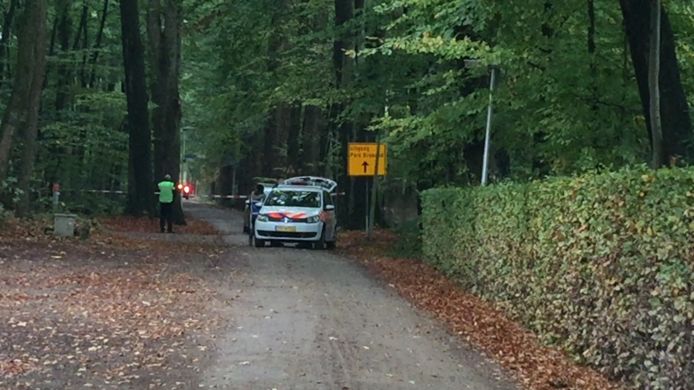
275 88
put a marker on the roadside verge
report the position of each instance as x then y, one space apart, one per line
475 321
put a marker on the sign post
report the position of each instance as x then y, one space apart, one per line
368 160
55 189
374 192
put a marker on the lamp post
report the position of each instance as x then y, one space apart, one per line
488 131
490 117
184 152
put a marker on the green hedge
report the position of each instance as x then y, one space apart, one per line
600 265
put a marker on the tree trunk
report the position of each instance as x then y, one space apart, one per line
353 206
163 28
81 35
674 110
654 88
276 127
51 49
83 32
313 134
294 162
97 45
592 57
64 29
140 183
283 115
4 41
34 38
269 144
21 113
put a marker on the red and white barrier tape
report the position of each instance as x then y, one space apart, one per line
192 195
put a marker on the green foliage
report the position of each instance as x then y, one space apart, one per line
560 108
80 141
600 265
86 148
10 194
409 242
95 204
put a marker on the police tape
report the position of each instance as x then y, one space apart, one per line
157 193
118 192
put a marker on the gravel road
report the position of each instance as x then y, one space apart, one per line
308 319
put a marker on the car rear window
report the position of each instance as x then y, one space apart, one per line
293 198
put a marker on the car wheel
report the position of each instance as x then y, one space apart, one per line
257 243
320 244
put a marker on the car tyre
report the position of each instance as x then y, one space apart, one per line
257 243
320 244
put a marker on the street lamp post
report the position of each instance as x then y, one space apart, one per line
490 114
488 131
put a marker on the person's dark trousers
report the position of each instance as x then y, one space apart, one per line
165 216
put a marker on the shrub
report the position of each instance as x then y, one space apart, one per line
409 242
600 265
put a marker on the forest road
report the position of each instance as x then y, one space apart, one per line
309 319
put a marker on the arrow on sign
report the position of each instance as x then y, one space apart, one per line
365 165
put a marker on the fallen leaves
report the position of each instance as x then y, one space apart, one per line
478 322
14 367
109 312
151 225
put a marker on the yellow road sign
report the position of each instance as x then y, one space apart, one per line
362 159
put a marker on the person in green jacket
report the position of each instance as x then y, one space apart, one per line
167 191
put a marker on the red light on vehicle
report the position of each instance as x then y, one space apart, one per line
186 189
180 186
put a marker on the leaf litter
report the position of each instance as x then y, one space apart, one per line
473 320
108 312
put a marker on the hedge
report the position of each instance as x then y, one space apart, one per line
600 265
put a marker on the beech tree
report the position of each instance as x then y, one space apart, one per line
164 32
22 113
140 184
676 123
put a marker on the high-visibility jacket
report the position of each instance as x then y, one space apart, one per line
166 191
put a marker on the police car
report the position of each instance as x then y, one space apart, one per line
299 210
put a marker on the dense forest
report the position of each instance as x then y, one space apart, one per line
534 152
107 95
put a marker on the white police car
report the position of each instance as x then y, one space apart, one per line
299 210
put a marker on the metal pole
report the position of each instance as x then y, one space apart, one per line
487 136
185 161
366 214
374 188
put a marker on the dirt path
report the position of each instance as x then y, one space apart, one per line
307 319
187 311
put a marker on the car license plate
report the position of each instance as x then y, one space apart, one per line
286 229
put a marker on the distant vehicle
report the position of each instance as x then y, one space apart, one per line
299 210
315 181
186 190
